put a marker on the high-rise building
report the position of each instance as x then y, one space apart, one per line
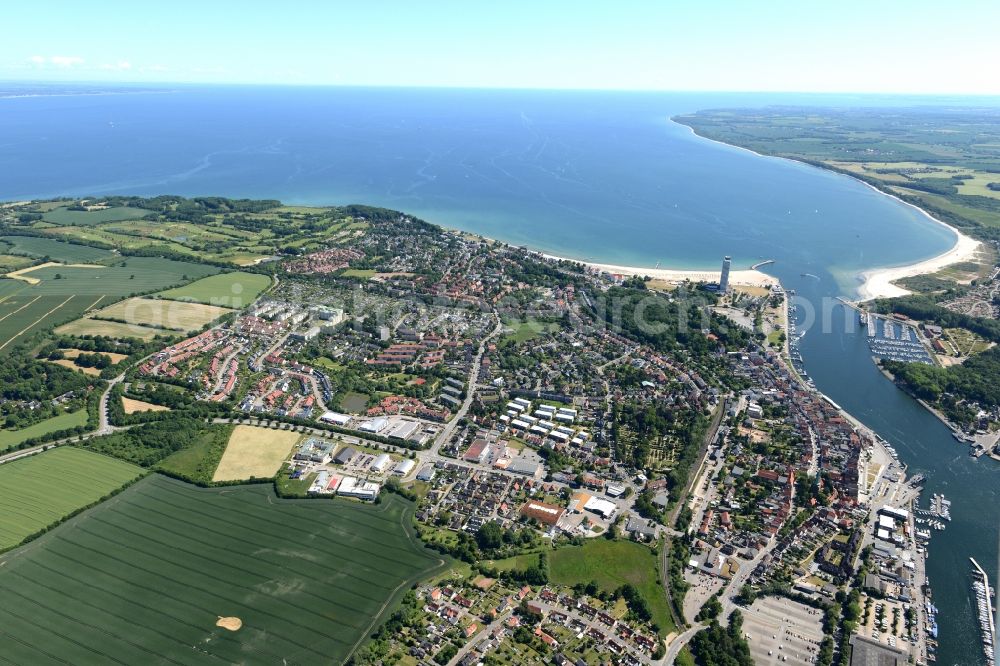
724 279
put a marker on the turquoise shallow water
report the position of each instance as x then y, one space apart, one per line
600 176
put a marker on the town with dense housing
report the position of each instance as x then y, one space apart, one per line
376 440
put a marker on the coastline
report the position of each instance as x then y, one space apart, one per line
878 282
744 277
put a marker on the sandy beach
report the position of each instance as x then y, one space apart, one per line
878 282
746 277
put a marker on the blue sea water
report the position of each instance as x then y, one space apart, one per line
559 171
599 176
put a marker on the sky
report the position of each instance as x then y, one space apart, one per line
877 46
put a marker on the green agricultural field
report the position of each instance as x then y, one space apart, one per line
11 438
111 329
10 262
146 577
132 275
26 312
37 491
56 250
231 290
66 292
64 216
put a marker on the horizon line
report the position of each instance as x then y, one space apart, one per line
384 86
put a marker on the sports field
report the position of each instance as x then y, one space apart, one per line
39 490
145 577
256 452
160 313
9 438
231 290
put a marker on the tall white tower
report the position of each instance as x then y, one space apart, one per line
724 279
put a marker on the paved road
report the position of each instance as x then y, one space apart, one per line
679 642
449 428
104 426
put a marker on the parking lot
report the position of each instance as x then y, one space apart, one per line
781 631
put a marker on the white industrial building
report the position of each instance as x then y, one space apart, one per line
335 418
381 463
375 425
353 487
404 467
601 507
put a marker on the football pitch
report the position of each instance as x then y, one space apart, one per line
146 577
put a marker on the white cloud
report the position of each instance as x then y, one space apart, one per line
66 61
120 66
62 62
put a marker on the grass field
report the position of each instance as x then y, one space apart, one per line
136 406
362 273
11 262
56 250
88 217
9 438
254 452
68 363
145 577
528 330
610 564
115 358
111 329
160 313
232 290
37 491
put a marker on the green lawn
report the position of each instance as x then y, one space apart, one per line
231 290
10 438
64 216
329 364
528 330
144 578
362 273
610 564
37 491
